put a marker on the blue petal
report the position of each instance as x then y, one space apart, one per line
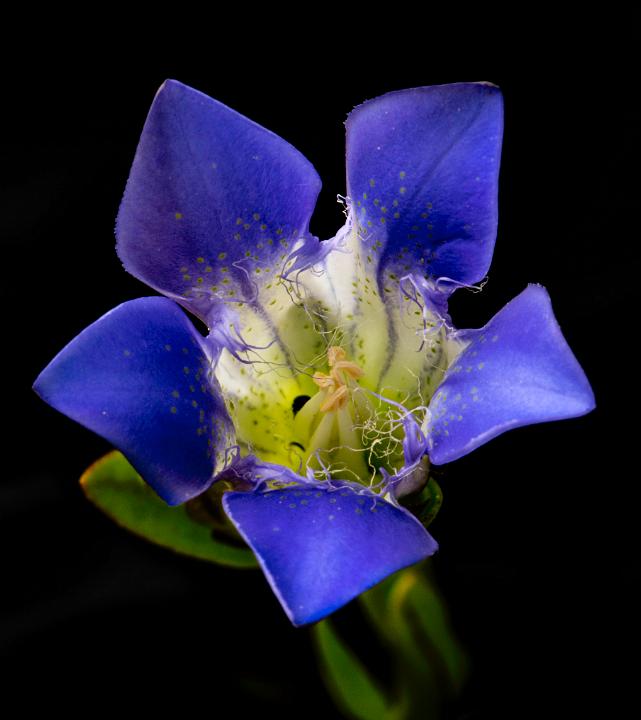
214 202
516 371
422 170
140 377
321 548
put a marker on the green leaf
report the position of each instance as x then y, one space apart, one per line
347 679
117 489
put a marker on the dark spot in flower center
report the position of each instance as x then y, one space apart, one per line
298 403
297 444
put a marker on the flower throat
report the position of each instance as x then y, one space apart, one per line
345 431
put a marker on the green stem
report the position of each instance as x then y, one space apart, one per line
411 621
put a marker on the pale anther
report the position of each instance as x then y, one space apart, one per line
342 373
336 400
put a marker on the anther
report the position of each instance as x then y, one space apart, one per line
337 399
335 353
346 366
322 380
334 387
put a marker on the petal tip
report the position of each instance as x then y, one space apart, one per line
301 545
490 89
170 84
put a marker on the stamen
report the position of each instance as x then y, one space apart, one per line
322 380
351 452
307 418
336 400
349 367
335 385
334 354
323 437
339 427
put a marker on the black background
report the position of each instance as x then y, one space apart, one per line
538 529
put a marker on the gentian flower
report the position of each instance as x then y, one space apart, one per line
331 376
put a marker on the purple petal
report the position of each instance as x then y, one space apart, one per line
214 201
140 378
516 371
321 548
422 170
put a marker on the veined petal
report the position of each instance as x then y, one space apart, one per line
422 170
141 377
214 202
422 173
388 329
263 377
515 371
214 207
321 548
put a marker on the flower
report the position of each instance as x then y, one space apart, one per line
331 376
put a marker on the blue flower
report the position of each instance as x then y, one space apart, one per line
331 376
